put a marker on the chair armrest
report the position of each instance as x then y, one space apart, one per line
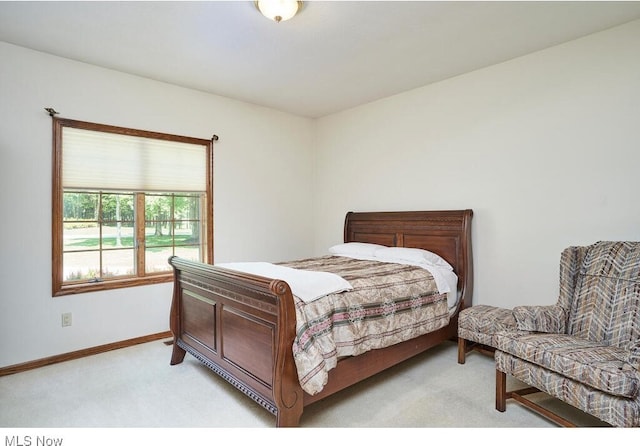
540 318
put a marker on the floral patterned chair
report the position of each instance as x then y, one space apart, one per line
585 349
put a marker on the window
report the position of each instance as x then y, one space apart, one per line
124 201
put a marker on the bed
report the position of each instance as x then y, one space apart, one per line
242 325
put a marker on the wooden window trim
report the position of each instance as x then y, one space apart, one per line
59 287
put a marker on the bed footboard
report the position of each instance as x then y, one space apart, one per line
240 326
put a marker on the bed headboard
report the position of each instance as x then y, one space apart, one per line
446 233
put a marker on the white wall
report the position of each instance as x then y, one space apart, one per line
263 161
544 148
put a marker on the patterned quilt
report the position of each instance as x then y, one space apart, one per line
389 303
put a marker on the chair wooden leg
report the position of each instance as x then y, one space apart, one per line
501 391
518 396
462 350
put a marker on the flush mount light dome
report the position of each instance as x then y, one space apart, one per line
278 10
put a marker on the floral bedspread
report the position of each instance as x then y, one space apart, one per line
389 303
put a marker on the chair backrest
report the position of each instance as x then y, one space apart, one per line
605 306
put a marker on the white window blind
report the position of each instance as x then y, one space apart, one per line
111 161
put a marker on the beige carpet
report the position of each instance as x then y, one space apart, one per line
136 387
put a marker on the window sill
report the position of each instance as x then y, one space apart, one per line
90 287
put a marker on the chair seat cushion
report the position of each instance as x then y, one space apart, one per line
595 364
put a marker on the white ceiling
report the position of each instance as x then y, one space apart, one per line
333 56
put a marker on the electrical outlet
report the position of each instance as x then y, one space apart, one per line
66 319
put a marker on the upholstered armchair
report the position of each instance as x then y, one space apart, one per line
585 349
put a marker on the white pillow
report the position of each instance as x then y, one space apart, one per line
356 249
412 255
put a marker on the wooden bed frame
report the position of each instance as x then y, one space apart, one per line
243 326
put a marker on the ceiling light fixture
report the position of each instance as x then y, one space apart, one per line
278 10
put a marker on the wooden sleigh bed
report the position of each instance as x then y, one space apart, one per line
242 326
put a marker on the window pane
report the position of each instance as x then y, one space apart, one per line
158 210
159 235
80 206
187 224
80 236
81 265
156 260
117 263
117 235
187 233
188 252
117 207
187 207
157 207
